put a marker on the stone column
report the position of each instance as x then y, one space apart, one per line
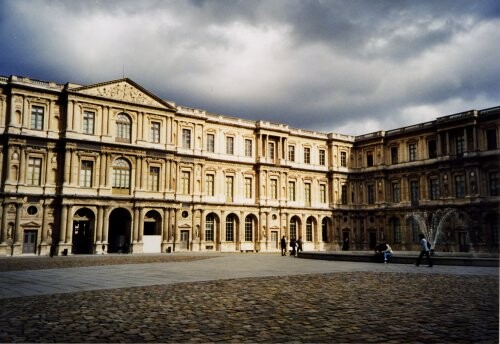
99 226
141 225
135 224
69 226
105 229
3 229
22 167
44 223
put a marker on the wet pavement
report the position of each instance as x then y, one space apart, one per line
247 298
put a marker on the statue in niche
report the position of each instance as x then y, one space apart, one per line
9 232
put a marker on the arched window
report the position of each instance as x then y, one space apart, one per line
209 227
324 229
396 230
123 127
293 229
230 228
248 228
121 174
309 229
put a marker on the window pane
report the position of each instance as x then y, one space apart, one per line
210 142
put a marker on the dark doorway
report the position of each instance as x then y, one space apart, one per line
119 231
83 225
463 242
372 239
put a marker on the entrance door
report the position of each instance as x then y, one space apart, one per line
463 242
184 240
372 239
29 241
82 238
274 239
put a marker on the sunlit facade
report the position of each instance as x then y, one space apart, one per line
113 168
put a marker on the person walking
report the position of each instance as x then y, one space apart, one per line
283 246
424 249
293 244
299 245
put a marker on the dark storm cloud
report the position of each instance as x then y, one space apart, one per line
346 66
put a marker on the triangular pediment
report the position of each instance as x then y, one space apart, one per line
124 90
30 224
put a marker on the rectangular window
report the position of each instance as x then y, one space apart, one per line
322 157
37 113
270 150
322 193
186 138
155 132
459 186
229 188
307 155
248 187
414 191
412 151
291 153
230 145
248 147
396 192
210 143
394 155
369 159
494 185
274 189
460 144
291 191
86 171
491 139
434 188
432 149
88 122
210 184
34 171
185 182
154 178
307 193
371 194
343 159
343 194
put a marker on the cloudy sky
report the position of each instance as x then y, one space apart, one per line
350 67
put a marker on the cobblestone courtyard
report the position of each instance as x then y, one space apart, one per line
341 307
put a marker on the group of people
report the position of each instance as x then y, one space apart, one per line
296 246
383 251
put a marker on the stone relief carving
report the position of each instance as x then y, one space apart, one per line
123 91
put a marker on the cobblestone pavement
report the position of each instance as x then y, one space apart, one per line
294 301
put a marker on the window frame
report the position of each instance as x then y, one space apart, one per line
86 173
37 117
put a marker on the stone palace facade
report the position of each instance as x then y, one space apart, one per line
113 168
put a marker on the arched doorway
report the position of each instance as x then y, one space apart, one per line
83 232
152 232
119 231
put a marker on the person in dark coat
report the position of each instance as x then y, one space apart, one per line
283 246
293 245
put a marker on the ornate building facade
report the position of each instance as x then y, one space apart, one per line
113 168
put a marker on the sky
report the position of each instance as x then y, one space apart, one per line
349 67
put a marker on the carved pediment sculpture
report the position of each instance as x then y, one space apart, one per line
124 90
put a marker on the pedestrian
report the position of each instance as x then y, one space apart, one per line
293 244
383 251
283 246
424 249
299 245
